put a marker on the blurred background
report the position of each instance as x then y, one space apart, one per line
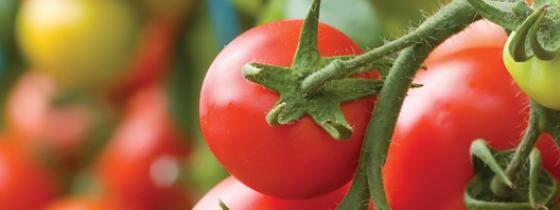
99 98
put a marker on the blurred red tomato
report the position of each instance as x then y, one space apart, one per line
85 203
142 162
24 184
237 196
151 62
38 122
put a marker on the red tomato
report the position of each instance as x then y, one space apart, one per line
466 95
295 161
237 196
24 184
62 130
143 159
83 203
152 59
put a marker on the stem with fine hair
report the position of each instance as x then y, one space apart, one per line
448 21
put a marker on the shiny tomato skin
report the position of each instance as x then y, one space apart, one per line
85 203
142 161
237 196
466 95
24 183
294 161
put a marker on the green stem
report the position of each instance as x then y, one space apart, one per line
521 155
345 67
450 20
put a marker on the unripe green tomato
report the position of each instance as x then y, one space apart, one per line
82 44
538 78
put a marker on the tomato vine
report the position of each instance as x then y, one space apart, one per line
312 77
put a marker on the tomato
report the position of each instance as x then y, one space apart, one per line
83 44
237 196
142 161
24 183
67 130
86 203
295 161
466 95
538 78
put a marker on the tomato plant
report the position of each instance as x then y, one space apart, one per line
142 161
428 166
237 196
299 160
86 203
82 44
537 78
24 183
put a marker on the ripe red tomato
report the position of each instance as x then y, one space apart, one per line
85 203
237 196
142 162
24 184
466 95
62 130
295 161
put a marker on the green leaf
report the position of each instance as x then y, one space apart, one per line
357 18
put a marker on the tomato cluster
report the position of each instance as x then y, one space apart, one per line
466 94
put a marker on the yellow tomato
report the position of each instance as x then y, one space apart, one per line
82 44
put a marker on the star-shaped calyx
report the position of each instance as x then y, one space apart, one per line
321 104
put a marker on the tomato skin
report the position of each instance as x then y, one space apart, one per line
294 161
24 183
82 44
467 95
141 163
84 203
538 78
240 197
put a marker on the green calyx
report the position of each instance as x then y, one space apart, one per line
537 29
536 189
322 104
